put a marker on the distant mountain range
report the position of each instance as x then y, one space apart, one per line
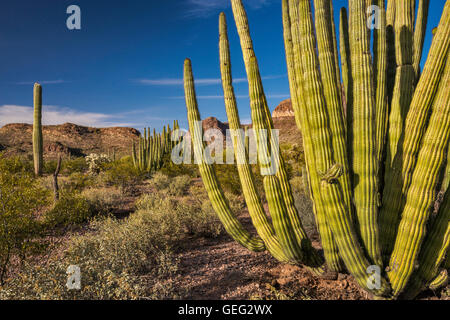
69 138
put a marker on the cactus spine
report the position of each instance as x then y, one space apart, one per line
38 143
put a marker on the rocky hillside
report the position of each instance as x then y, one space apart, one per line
283 120
75 140
283 110
68 139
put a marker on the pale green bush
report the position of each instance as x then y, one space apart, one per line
103 200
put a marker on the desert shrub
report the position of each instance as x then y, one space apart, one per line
121 174
48 282
70 210
159 181
77 182
182 208
20 200
49 166
228 178
70 166
103 200
97 162
173 170
176 186
304 206
120 259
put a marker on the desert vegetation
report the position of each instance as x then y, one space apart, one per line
351 201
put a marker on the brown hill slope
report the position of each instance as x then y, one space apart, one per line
67 138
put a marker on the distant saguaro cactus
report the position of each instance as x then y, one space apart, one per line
38 143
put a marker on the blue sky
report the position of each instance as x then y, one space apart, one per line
124 67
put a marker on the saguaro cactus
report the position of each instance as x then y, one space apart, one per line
38 144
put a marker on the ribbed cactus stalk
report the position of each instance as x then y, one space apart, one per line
440 281
38 143
215 193
363 132
133 154
258 103
255 208
380 74
423 191
433 253
398 180
404 77
367 211
419 34
295 73
344 48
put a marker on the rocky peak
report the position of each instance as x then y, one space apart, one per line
284 109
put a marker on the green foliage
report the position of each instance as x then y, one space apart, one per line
20 201
129 258
121 174
77 165
172 170
77 182
70 210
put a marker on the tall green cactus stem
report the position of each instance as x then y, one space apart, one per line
215 193
446 179
255 208
337 213
380 66
295 72
433 251
287 222
363 132
258 100
423 190
419 34
404 78
133 154
38 144
390 42
398 181
344 45
332 90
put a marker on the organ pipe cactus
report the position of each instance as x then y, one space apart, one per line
215 193
38 144
151 149
373 189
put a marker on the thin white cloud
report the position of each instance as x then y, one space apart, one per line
205 8
40 82
200 81
210 97
56 115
